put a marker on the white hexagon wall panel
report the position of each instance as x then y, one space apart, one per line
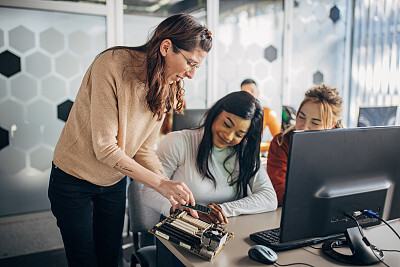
21 39
41 158
237 51
40 112
262 71
11 160
23 87
245 69
11 113
27 129
52 131
67 65
38 64
54 88
52 40
254 52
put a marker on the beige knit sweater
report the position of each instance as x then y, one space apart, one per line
110 117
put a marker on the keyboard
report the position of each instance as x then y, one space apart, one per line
270 238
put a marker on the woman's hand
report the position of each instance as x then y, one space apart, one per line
176 192
216 215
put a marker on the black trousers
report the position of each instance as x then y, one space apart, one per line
90 218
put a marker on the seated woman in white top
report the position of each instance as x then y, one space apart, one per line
219 162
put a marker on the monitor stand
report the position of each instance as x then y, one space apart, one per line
362 254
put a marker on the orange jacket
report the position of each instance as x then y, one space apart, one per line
273 125
277 164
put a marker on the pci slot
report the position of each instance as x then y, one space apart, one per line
198 223
185 226
179 234
172 236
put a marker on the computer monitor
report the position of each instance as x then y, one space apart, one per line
334 172
190 119
377 116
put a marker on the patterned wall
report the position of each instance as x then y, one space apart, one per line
250 46
43 57
318 48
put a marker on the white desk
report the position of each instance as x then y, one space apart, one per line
235 252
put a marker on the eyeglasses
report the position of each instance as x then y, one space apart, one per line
192 65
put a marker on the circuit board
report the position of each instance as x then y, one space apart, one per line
199 237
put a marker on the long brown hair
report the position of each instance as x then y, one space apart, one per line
186 33
330 104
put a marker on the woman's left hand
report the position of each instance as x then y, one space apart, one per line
216 215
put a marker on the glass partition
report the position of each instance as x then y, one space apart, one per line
43 57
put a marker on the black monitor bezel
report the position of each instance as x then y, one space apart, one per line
298 224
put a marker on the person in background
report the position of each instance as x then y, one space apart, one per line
320 110
110 134
270 118
219 161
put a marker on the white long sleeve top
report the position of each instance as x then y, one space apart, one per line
177 153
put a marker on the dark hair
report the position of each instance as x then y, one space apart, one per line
244 105
248 81
185 32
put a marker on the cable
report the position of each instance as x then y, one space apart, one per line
372 214
365 238
339 239
296 263
390 250
359 229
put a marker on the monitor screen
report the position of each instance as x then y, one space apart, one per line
334 172
190 119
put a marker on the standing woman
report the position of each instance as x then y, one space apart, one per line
110 134
320 109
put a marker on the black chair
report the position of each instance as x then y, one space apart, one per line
190 119
288 117
377 116
141 219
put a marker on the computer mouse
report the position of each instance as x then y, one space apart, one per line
262 254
